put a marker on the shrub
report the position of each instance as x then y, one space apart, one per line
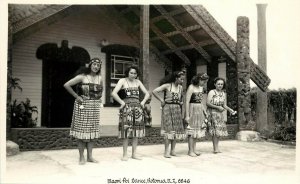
21 114
284 133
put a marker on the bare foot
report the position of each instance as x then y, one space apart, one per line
217 151
124 158
192 154
135 157
197 153
81 161
167 155
173 154
92 160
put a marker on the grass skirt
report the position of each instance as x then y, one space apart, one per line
196 122
172 122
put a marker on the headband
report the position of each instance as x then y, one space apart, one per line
179 74
204 76
94 60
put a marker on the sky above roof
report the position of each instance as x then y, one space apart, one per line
282 27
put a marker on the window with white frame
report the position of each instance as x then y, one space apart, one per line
118 67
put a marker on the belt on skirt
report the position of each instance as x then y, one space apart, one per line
172 103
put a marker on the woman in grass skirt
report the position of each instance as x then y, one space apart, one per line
85 125
195 112
216 104
172 122
131 124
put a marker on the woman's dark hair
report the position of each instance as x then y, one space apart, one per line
171 77
199 76
220 78
132 67
87 69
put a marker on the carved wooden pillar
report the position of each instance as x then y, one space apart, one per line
243 72
262 97
144 44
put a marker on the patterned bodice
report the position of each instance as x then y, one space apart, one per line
173 97
218 99
132 92
90 91
196 97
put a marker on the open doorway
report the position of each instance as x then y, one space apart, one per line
59 66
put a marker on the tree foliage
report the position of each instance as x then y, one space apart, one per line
283 104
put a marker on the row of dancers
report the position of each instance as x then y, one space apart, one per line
177 109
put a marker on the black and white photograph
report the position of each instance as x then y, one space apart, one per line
189 92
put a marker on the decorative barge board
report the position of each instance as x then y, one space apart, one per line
219 35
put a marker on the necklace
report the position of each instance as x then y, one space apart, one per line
130 82
94 79
199 88
219 93
176 88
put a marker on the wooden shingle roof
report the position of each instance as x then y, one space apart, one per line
186 32
183 32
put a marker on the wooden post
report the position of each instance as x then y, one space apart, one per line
243 73
262 97
144 45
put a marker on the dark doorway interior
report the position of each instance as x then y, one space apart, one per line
59 66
